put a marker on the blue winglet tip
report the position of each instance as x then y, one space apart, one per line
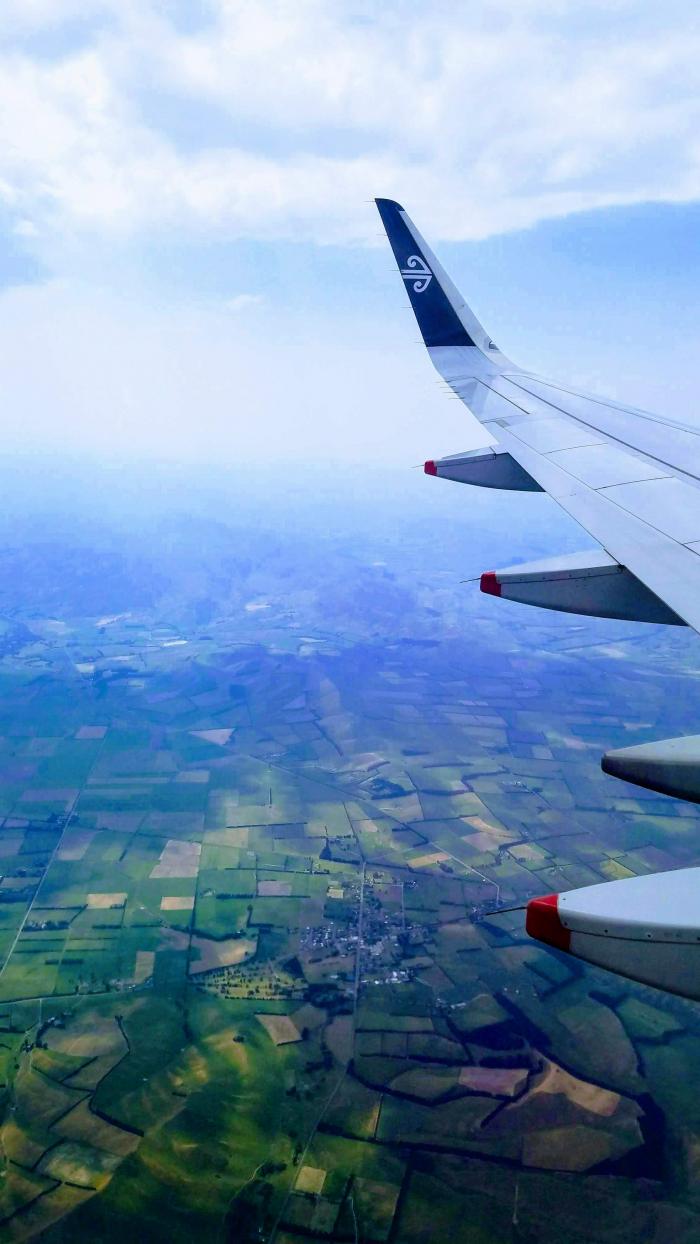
388 205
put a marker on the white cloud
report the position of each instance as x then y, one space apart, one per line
484 117
242 302
29 16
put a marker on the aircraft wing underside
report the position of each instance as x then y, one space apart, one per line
632 481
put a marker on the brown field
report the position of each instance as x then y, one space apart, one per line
195 776
177 902
173 939
598 1100
80 1124
106 900
74 844
233 837
91 732
78 1163
489 839
424 861
274 889
279 1028
500 1081
178 859
366 826
526 851
208 954
488 827
143 967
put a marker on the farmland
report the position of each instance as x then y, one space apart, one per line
251 985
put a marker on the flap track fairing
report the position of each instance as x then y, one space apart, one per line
485 468
591 583
671 766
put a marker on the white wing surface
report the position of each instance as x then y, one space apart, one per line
630 478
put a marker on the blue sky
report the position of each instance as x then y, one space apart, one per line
190 263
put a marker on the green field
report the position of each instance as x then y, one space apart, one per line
249 985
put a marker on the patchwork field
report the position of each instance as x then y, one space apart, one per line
251 985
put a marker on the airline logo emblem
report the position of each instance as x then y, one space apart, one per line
417 273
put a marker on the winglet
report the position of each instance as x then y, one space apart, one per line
388 205
433 297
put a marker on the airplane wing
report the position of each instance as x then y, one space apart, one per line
632 480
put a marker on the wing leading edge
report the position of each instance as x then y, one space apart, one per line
632 481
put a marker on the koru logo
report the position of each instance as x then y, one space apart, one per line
418 273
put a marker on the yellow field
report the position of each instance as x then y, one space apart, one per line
310 1179
78 1163
279 1028
589 1096
101 901
424 861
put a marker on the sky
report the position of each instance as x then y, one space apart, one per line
191 265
